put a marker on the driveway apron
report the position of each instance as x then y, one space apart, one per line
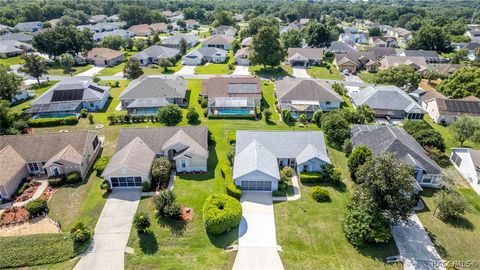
300 72
112 232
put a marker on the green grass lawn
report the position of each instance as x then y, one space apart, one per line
211 68
161 70
271 72
17 60
458 240
39 90
110 71
322 72
36 249
61 71
367 77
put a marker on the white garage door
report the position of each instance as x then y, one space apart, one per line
257 185
135 181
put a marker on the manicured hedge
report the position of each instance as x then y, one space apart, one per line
73 177
310 177
221 213
231 116
20 251
320 194
232 190
101 164
51 122
56 181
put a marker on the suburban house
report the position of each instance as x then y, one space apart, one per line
22 94
154 53
292 26
29 26
219 41
246 42
388 102
137 148
97 37
354 61
17 36
5 28
467 162
68 97
10 48
50 154
205 54
141 30
399 33
226 30
260 155
241 56
430 56
446 69
379 41
304 56
417 62
148 93
190 24
382 139
174 41
306 96
473 33
101 57
352 39
443 110
232 96
159 27
100 27
379 52
470 47
97 18
340 47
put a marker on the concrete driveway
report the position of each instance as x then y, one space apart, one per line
241 71
415 247
257 243
112 232
186 70
300 72
91 72
353 78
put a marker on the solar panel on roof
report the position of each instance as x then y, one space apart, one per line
462 106
67 95
96 88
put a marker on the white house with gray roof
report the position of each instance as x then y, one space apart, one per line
17 36
467 162
68 97
29 26
148 93
174 41
306 96
10 48
205 54
381 139
388 102
137 148
154 53
259 156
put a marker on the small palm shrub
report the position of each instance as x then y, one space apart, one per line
221 213
141 222
320 194
81 233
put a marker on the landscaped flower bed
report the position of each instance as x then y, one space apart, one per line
28 193
14 215
47 193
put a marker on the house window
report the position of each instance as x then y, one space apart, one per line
328 102
33 167
456 159
427 179
95 143
183 163
305 168
91 104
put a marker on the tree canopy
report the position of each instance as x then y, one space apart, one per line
9 83
403 76
63 39
430 37
319 35
266 48
462 83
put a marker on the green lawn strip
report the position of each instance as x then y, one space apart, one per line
39 90
456 240
268 91
58 70
322 72
78 203
36 249
17 60
366 76
110 71
271 72
161 70
211 68
450 142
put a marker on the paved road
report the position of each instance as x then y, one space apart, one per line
300 72
241 71
257 243
112 232
415 247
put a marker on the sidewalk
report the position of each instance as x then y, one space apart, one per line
296 192
36 195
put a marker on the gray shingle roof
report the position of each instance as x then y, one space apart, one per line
386 98
150 86
308 53
255 157
16 36
305 89
207 52
14 46
388 139
10 164
340 47
175 40
218 40
156 51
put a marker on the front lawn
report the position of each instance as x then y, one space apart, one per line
161 70
39 90
270 72
110 71
366 76
326 71
36 249
225 68
457 240
17 60
57 70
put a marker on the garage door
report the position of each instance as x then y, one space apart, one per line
257 185
135 181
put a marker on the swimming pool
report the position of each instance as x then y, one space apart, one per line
234 111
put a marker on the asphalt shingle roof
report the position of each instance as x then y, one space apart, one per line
151 86
305 89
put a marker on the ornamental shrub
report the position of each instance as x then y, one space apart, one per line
101 164
73 177
161 168
81 233
83 113
51 122
320 194
221 213
286 174
36 207
310 177
165 198
173 210
141 222
56 181
192 115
